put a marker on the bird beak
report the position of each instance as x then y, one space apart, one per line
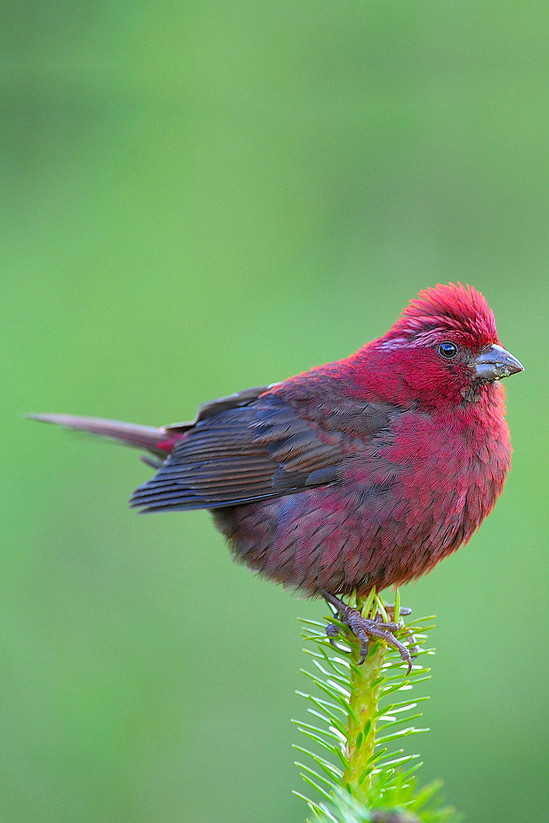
495 363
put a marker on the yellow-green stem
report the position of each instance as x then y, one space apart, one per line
366 683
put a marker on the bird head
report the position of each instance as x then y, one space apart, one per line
444 348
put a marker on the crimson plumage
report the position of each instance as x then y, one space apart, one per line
362 472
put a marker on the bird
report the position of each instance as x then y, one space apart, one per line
360 473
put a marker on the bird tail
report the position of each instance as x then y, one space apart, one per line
156 441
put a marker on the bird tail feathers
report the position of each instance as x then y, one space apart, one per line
156 441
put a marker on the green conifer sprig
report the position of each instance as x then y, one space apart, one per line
352 752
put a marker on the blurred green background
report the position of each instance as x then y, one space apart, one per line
198 197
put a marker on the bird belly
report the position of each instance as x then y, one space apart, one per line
392 517
339 539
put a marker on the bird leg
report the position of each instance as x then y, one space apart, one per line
364 628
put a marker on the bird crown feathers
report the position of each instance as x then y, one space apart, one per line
448 309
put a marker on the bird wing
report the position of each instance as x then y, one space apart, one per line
255 449
214 407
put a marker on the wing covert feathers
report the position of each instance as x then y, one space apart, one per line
242 454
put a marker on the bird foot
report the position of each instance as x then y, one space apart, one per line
364 628
404 612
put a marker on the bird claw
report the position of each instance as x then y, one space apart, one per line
364 628
404 610
364 645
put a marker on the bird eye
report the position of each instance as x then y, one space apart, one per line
448 350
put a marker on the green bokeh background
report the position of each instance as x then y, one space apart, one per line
202 196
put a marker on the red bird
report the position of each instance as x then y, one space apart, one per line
359 473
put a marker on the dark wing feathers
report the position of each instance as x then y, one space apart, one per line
254 445
242 453
214 407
